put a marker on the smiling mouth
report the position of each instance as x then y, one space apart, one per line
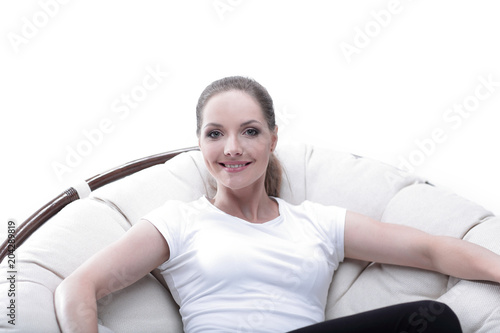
234 166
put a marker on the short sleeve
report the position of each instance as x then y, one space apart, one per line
330 220
167 219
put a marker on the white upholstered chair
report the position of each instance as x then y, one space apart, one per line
84 219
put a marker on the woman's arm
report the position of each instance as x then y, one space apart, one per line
122 263
370 240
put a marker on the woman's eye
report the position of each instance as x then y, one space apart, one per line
214 134
251 132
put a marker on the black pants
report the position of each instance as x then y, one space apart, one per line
414 317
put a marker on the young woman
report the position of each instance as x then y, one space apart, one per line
224 256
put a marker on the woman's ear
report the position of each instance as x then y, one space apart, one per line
274 138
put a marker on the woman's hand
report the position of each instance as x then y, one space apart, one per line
117 266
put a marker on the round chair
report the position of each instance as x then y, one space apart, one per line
87 217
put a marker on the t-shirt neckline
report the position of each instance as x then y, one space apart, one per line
276 220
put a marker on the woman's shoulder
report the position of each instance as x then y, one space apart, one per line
306 204
313 209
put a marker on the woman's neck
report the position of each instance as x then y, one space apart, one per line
251 204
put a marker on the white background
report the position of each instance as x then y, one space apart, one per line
65 67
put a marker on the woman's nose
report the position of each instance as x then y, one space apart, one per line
232 147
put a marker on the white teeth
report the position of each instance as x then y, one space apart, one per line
234 165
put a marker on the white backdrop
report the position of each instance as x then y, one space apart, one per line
88 85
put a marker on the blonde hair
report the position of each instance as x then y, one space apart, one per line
261 95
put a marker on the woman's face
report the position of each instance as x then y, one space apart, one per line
235 140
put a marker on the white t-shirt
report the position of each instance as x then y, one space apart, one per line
230 275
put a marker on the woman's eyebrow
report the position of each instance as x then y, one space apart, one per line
212 125
250 122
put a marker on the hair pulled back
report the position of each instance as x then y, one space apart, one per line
262 97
